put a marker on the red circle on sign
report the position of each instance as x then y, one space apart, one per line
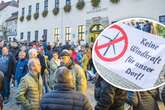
124 37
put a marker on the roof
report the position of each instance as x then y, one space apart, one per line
10 3
13 16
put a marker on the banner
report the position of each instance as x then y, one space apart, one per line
130 53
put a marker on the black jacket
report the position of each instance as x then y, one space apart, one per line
109 97
11 67
64 98
42 62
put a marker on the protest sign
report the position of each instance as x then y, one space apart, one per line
130 53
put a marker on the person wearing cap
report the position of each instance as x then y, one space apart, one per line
77 71
64 97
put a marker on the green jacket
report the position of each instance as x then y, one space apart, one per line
30 92
80 78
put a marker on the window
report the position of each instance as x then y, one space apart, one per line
81 32
21 36
57 3
23 11
28 36
45 32
67 33
36 35
30 10
68 2
56 34
37 7
45 4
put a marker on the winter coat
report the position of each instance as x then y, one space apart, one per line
21 69
42 62
53 66
10 67
1 102
1 81
1 87
80 78
144 100
79 58
64 98
163 94
74 56
85 62
109 97
49 54
0 51
30 92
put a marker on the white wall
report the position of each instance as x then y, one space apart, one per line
126 8
6 13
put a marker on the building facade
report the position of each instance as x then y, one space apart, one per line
66 21
11 24
6 10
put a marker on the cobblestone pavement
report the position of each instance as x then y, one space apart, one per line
12 103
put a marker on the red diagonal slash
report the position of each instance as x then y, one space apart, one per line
109 43
123 38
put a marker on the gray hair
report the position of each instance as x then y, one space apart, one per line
33 53
31 62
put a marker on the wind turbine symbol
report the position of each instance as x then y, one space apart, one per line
114 50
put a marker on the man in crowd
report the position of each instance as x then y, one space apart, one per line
64 97
30 89
21 67
77 71
42 59
109 97
7 66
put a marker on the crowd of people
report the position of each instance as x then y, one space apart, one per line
56 78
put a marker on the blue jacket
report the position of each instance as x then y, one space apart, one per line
21 69
79 57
